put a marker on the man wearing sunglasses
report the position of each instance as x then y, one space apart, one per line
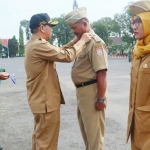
43 88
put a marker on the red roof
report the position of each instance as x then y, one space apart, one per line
5 42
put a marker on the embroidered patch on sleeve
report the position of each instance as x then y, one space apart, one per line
99 51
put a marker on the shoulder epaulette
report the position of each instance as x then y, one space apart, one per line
98 39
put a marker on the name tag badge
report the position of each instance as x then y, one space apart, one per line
145 66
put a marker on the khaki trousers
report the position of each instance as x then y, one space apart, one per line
134 147
91 121
46 131
140 139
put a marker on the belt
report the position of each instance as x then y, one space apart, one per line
86 83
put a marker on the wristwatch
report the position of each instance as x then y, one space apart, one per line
101 100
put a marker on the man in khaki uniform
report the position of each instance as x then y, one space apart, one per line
89 76
43 89
139 106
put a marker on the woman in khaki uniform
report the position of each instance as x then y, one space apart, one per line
139 107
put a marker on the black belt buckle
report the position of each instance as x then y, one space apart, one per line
82 84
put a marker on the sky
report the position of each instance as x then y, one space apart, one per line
14 11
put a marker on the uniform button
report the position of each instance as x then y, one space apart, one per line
135 77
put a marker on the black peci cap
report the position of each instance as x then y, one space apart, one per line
41 19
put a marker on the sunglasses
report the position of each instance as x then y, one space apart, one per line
136 22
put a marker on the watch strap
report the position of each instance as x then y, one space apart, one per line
101 100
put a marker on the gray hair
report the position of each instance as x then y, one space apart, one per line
84 19
34 30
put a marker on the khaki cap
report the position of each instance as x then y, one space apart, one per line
76 15
140 7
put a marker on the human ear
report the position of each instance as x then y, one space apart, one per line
42 28
85 23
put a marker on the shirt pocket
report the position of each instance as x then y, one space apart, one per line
145 71
81 61
142 118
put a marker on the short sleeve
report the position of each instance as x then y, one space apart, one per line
98 56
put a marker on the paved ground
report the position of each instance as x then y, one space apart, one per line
16 121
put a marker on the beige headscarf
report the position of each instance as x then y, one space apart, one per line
142 46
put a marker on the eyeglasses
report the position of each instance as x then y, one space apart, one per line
136 22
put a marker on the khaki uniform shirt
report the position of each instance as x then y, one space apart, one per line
43 89
92 59
139 106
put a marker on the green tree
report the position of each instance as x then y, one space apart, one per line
108 22
112 26
25 24
1 47
21 42
118 48
101 29
62 33
115 29
13 46
124 21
